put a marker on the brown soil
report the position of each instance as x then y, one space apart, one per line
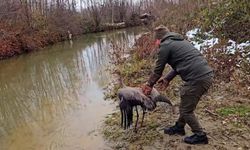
223 132
224 115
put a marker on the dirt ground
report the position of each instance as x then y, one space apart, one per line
224 132
223 115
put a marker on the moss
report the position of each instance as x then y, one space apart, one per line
242 111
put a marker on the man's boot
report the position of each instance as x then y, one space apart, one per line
197 138
176 129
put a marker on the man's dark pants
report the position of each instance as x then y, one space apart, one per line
191 93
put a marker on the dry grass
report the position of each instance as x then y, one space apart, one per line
224 111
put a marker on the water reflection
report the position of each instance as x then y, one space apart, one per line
54 91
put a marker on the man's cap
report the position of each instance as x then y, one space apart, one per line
160 32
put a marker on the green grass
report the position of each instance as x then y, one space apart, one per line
242 111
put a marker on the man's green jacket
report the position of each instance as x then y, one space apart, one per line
183 57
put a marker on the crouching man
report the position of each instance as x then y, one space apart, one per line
192 67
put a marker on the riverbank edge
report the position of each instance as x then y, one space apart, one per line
135 71
15 44
212 109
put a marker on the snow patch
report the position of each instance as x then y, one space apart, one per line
207 40
233 46
192 33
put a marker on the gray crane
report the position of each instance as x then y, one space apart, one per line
131 97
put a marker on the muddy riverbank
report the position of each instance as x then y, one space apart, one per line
223 111
53 99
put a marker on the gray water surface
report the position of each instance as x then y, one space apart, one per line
53 99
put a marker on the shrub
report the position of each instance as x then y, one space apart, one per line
228 19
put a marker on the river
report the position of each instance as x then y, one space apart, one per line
53 99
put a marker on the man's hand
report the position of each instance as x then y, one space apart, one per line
163 83
146 89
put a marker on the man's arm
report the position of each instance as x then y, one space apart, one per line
160 65
166 80
169 77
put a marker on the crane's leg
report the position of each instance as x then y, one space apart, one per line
143 115
129 116
122 115
137 118
125 119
